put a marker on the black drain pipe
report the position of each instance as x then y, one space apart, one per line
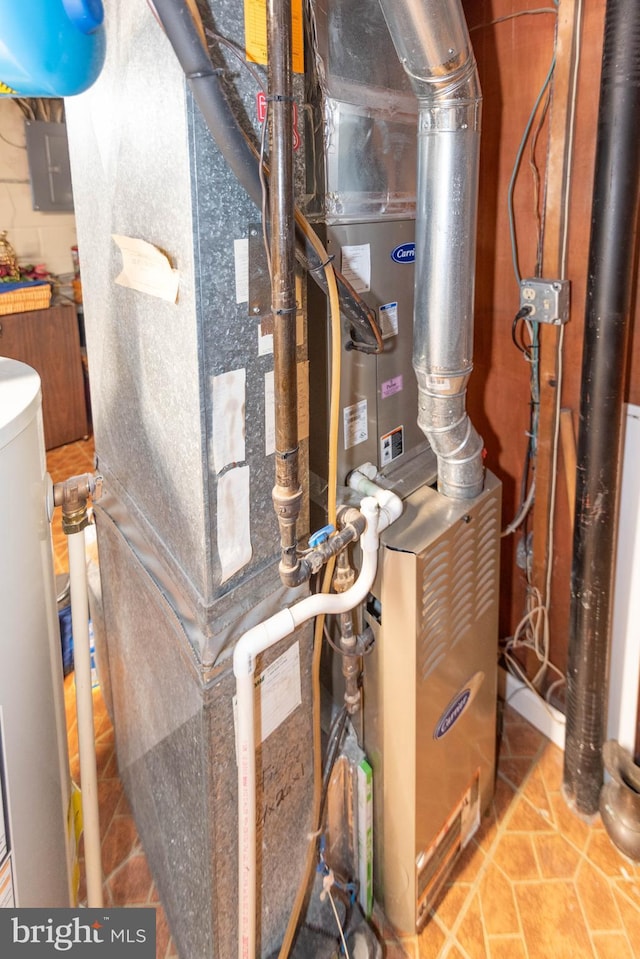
607 320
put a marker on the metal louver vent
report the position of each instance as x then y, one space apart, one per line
458 582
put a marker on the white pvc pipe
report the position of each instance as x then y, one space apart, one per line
84 713
257 640
624 666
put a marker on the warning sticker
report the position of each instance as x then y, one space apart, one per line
356 429
4 89
391 445
388 316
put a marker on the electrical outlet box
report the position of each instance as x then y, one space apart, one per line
548 300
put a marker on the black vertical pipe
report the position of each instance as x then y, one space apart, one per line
607 321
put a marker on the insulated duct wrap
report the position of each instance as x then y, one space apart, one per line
433 44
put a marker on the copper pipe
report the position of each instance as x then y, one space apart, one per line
287 493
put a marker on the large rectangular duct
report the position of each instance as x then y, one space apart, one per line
188 540
178 389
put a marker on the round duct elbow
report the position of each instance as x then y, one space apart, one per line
458 447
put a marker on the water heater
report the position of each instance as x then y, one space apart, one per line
34 768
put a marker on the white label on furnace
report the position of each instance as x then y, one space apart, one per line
233 521
269 414
356 429
356 266
441 383
241 263
269 407
228 399
265 340
277 693
388 318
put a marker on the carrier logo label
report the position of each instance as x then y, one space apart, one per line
456 707
405 253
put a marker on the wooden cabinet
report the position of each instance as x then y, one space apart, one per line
48 340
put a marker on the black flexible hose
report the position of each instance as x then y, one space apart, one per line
204 82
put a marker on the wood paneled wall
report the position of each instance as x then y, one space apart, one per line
513 59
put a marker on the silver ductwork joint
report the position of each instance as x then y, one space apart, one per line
432 42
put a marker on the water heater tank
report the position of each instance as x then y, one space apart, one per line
34 767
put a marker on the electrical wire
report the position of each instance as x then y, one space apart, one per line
535 173
332 487
522 314
516 168
532 633
339 924
239 54
334 744
513 16
545 600
264 206
17 146
522 513
530 353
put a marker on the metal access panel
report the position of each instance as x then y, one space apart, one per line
378 393
430 694
49 168
361 193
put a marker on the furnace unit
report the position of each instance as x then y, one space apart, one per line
429 688
430 693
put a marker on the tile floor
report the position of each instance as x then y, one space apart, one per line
535 883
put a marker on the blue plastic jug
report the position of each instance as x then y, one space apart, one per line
50 48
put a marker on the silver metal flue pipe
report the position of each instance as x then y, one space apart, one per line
432 42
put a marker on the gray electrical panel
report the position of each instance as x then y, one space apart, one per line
49 169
